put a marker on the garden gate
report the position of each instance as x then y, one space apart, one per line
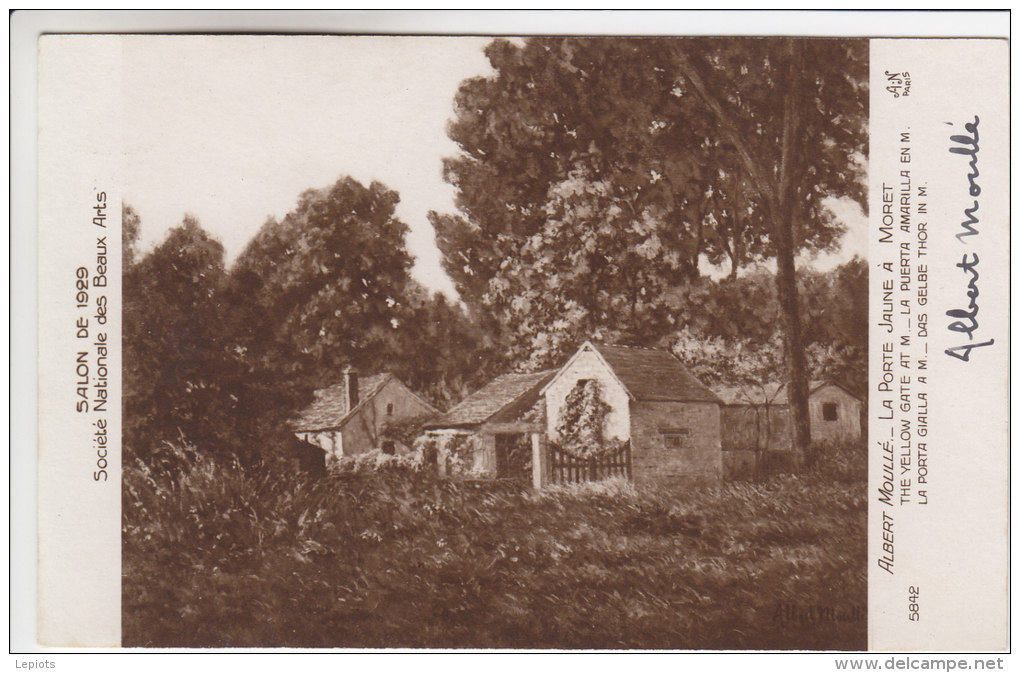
565 468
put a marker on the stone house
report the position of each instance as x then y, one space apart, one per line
757 419
671 419
350 417
492 433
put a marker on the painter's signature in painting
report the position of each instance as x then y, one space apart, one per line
793 613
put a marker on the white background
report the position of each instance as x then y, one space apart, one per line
953 547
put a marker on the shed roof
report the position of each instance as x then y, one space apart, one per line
329 409
773 393
501 393
652 374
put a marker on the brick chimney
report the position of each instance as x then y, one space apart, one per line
350 387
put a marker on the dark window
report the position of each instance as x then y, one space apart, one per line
389 408
676 438
388 447
513 456
829 411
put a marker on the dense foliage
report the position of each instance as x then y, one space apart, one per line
736 338
224 357
580 429
178 373
594 174
220 556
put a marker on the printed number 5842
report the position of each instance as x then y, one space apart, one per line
914 607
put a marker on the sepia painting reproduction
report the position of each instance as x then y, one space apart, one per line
542 342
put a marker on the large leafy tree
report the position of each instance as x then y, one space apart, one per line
223 359
597 267
793 112
555 107
327 280
330 285
734 145
175 374
736 335
193 372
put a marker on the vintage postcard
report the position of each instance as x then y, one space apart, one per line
632 342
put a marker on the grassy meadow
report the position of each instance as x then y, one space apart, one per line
394 557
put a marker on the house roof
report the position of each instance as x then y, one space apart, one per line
501 393
652 374
329 409
771 393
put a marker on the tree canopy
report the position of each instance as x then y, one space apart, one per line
330 285
225 357
328 277
175 375
620 166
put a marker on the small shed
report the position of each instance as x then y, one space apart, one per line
494 432
757 420
351 417
835 412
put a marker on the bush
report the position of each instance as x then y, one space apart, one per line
839 461
219 555
825 461
775 463
378 461
408 430
458 451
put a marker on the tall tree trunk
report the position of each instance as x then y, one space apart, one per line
737 228
777 189
699 239
784 214
789 302
634 293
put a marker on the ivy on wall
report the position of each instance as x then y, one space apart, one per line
455 450
582 420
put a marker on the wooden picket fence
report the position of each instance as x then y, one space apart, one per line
567 469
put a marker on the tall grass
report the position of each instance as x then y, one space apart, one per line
220 557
